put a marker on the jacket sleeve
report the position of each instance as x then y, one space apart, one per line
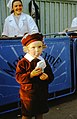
32 25
22 73
5 28
49 72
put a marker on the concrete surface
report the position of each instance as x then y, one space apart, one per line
62 108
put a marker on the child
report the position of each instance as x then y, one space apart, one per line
33 74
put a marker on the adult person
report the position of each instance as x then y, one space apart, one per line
73 27
18 23
33 73
72 31
74 22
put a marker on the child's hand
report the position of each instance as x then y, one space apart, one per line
36 72
44 76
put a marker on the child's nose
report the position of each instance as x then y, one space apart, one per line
37 49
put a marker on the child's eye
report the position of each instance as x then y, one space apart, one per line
39 46
33 47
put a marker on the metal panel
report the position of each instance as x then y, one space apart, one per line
58 55
2 13
9 88
0 19
42 17
56 15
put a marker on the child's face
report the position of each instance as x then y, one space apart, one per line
17 7
35 48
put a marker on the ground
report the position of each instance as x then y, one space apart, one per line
62 108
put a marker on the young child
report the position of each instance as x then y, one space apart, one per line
33 74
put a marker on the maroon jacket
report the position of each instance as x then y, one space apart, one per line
33 91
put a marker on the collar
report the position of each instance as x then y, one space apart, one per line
22 16
21 20
30 58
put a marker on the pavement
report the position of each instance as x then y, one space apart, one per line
61 108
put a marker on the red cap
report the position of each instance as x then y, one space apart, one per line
27 39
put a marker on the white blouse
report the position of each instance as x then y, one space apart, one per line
26 25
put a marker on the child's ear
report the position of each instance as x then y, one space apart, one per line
44 46
25 49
